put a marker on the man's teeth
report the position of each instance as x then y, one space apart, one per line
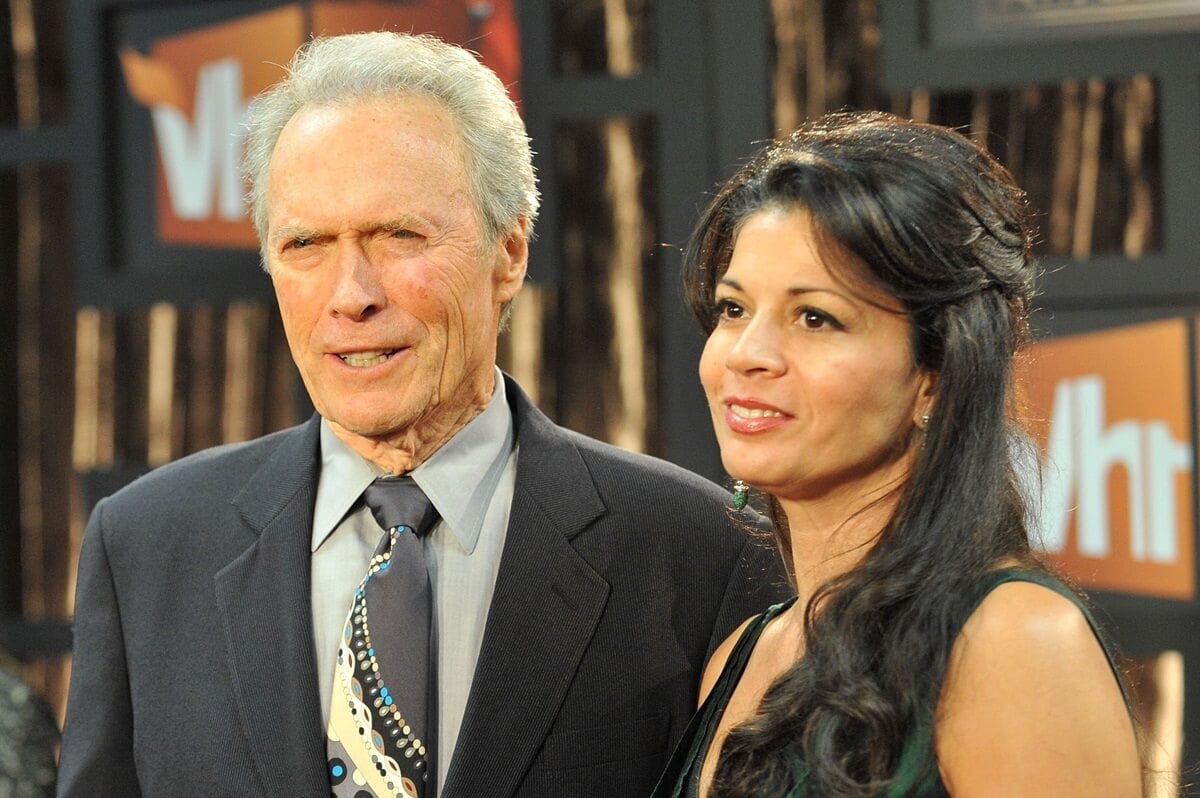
364 359
754 412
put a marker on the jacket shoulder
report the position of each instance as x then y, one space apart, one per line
678 503
211 477
613 466
625 481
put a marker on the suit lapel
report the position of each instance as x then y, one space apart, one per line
544 612
267 613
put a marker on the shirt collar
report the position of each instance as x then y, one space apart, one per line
459 478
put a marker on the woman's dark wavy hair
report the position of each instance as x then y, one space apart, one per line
939 224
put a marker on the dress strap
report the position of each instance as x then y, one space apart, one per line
682 775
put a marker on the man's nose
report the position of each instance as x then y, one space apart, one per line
358 292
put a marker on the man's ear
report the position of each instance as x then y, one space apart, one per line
512 260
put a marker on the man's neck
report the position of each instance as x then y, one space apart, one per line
399 452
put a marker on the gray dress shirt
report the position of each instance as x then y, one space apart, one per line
470 482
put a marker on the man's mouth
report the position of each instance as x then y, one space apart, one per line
365 359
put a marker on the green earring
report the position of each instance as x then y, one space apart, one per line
741 494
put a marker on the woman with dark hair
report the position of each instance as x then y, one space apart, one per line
864 285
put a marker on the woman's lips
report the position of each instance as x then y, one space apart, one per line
749 417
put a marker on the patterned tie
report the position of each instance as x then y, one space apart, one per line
382 708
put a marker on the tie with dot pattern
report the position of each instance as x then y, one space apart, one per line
379 739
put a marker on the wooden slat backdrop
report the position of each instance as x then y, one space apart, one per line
151 385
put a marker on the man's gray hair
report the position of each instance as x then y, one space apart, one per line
341 70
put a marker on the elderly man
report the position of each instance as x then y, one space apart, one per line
428 589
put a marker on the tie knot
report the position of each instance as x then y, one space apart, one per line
399 501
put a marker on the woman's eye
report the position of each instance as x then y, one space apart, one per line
814 319
728 309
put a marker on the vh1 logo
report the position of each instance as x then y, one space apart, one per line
1111 412
196 87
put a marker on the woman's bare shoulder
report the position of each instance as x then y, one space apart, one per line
1030 704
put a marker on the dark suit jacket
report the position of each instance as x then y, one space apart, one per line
194 670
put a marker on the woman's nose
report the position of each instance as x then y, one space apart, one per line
758 348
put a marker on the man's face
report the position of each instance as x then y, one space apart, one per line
389 294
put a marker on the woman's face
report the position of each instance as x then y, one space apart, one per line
810 377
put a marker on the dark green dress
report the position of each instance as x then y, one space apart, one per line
682 777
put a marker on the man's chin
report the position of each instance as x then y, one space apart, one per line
369 427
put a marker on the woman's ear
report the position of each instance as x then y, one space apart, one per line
926 401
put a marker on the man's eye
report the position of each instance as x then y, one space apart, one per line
299 243
404 241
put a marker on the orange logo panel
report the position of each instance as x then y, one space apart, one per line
196 87
1110 412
